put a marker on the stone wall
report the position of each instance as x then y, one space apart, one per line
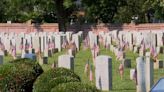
21 27
53 27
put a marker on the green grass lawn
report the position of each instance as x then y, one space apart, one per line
124 85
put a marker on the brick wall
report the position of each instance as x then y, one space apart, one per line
53 27
20 27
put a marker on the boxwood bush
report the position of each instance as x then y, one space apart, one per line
51 78
30 63
19 75
74 87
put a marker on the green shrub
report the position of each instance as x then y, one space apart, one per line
19 76
22 60
53 77
74 87
28 63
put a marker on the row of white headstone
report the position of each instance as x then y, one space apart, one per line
39 40
104 63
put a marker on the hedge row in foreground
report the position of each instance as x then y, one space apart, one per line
61 80
74 87
19 75
52 78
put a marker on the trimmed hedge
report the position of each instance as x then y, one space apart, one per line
52 78
29 63
19 75
75 87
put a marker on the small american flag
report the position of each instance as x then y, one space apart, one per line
121 70
86 66
52 45
27 46
119 54
121 67
21 46
31 46
14 52
86 41
163 39
65 42
2 46
152 50
142 41
91 74
143 46
135 76
154 53
95 50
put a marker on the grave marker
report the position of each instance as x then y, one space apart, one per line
141 74
149 72
66 61
103 72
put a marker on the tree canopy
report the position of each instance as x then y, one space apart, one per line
106 11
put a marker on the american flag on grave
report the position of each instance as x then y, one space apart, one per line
143 47
21 45
91 73
65 43
142 41
2 46
31 45
135 76
154 53
27 46
85 43
13 51
95 50
86 66
100 39
49 44
163 39
120 54
52 45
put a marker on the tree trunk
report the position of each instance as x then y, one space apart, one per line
60 14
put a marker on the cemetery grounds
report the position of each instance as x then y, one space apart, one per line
124 85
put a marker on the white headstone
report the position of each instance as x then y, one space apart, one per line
66 61
103 72
76 39
141 87
149 73
58 42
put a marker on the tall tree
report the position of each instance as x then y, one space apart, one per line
63 10
37 10
146 10
130 9
2 10
103 10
